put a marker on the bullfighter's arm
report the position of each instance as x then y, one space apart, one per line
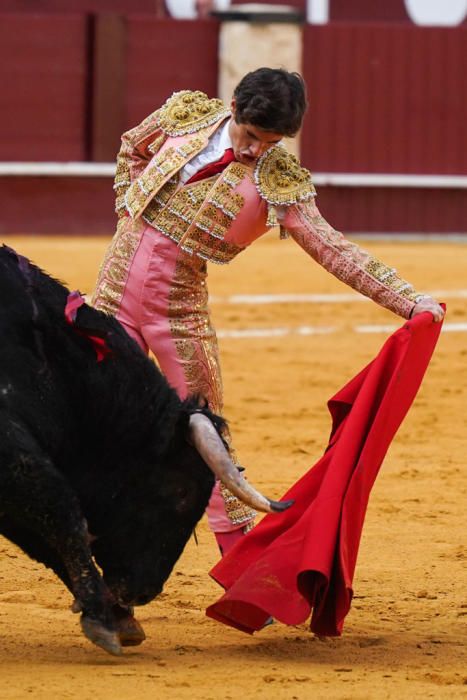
137 148
351 264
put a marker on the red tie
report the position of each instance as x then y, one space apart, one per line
213 168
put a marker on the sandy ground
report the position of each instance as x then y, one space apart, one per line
405 636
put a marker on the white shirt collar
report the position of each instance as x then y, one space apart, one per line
224 140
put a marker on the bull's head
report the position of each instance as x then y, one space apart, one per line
151 523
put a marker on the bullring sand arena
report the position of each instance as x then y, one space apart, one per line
406 633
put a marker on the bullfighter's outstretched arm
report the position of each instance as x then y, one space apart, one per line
351 264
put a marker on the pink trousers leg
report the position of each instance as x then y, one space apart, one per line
164 308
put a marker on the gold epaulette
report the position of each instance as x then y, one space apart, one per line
187 112
280 179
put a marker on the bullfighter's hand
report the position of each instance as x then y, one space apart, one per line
429 304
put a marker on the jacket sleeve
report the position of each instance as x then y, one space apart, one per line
346 260
137 148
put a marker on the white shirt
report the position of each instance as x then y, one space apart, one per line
214 150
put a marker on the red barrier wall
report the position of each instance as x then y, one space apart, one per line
72 84
43 74
164 56
82 6
394 209
368 11
385 98
57 205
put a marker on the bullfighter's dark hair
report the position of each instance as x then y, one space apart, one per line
271 99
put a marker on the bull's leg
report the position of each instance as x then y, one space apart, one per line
33 491
129 630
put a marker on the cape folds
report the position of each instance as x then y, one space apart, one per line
303 560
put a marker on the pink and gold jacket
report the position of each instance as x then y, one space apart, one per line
217 218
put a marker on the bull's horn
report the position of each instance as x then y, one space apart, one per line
210 446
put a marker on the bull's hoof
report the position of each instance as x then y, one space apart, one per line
130 632
102 637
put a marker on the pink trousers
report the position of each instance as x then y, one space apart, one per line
165 309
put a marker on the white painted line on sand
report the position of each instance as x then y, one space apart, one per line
262 299
322 330
388 328
275 332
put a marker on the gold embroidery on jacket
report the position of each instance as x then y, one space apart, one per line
198 216
154 177
133 156
389 277
183 113
351 264
280 179
160 200
186 112
121 184
228 202
271 220
157 143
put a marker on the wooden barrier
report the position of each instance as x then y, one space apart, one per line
384 99
45 81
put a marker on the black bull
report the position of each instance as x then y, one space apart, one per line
93 447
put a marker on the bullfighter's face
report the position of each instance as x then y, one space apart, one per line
250 142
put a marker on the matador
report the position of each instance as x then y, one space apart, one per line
198 181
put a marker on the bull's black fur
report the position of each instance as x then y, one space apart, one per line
80 440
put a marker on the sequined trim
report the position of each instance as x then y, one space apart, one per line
157 143
237 512
198 216
113 273
134 156
162 168
187 112
348 262
121 183
280 179
196 345
389 277
271 220
160 200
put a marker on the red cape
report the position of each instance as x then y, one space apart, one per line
305 558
